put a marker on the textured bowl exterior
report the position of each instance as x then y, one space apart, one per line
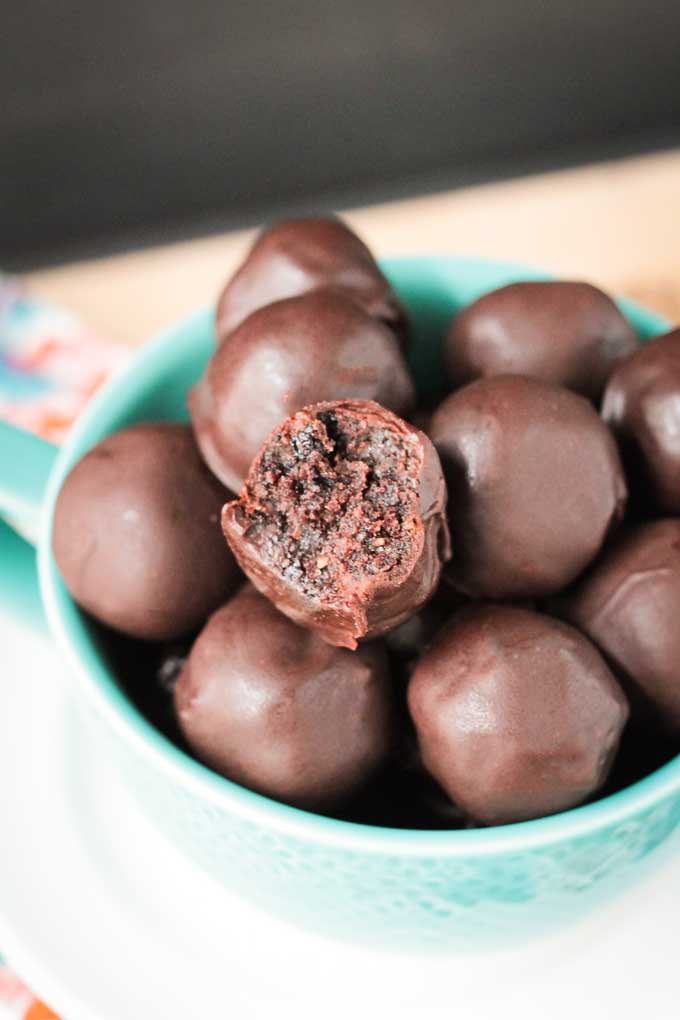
470 889
403 900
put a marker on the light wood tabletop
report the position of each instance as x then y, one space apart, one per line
616 224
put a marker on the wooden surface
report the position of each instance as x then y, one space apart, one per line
615 224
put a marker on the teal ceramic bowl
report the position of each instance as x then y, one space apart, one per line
389 887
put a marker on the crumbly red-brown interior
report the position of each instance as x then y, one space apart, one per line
335 500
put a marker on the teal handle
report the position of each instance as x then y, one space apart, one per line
25 465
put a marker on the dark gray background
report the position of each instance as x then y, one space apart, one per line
138 120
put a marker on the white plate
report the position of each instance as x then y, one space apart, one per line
107 921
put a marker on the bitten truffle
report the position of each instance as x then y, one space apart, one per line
136 533
342 522
570 334
629 605
296 256
517 714
276 709
535 485
642 406
321 346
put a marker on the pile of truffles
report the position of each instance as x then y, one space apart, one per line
470 623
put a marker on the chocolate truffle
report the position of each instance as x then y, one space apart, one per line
321 346
136 533
297 256
535 484
517 715
342 522
642 406
273 707
629 605
571 334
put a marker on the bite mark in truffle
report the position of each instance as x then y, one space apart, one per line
341 522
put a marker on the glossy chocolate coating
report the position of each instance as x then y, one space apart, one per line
570 334
517 714
642 406
342 522
276 709
137 534
535 484
629 604
297 256
321 346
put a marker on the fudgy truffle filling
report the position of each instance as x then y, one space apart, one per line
334 500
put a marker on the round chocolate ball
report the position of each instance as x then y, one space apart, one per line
341 521
136 533
276 709
570 334
297 256
535 485
642 406
321 346
517 714
629 604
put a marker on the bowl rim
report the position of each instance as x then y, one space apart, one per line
128 724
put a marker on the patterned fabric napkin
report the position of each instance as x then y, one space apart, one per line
50 363
17 1002
50 366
